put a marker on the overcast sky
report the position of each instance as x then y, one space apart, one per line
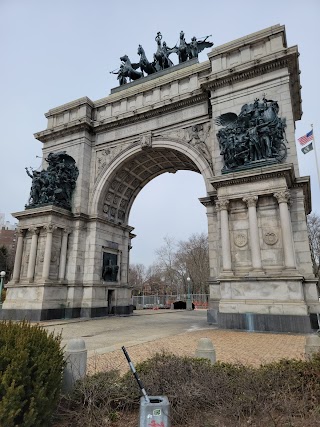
55 51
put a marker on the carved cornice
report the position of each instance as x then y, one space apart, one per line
87 125
215 81
258 174
210 199
287 58
153 112
43 212
81 125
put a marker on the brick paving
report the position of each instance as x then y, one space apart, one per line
250 348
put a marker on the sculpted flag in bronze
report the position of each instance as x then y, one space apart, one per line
253 138
55 185
161 60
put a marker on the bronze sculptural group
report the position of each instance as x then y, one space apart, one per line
161 60
54 185
253 137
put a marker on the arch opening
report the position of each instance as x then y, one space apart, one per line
127 180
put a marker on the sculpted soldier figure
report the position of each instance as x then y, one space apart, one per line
55 184
254 136
121 77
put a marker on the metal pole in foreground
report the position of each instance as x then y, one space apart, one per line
136 375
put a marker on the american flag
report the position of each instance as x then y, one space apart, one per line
306 138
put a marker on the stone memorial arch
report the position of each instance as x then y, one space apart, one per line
231 119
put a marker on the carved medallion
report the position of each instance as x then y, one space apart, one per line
240 239
270 237
54 255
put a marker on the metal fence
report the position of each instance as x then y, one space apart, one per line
165 301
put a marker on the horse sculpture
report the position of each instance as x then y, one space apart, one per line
161 60
144 64
128 69
183 49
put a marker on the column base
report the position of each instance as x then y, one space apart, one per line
226 273
266 322
212 316
38 315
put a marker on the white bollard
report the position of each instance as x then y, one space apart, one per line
206 350
76 363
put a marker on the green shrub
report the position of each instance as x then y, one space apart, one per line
31 367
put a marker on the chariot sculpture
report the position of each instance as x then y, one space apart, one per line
161 60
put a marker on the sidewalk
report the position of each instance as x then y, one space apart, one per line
77 320
105 336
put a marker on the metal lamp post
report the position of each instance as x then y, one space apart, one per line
2 276
189 303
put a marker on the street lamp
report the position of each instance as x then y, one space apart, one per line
2 275
189 303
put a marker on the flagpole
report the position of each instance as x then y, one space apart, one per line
316 155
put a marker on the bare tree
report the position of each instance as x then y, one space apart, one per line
166 263
174 263
193 256
137 277
313 224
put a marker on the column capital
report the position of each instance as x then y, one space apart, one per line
20 232
67 230
222 204
282 196
251 201
49 228
34 230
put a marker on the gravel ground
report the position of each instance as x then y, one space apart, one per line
250 348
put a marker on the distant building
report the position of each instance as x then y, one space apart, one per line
8 238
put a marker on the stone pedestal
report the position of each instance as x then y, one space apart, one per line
270 258
53 279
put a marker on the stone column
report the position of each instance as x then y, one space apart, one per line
33 252
283 198
18 257
63 253
222 205
254 231
47 252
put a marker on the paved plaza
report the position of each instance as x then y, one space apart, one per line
150 331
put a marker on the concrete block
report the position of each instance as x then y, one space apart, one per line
205 350
76 363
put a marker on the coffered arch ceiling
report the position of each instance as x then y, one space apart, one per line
125 183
